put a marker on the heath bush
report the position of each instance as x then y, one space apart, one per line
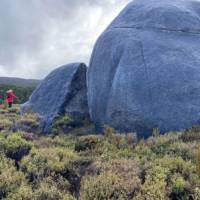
116 179
5 124
160 144
10 178
24 192
119 140
162 173
29 122
14 146
179 188
154 187
184 150
107 186
64 141
191 134
65 124
49 190
125 167
14 109
42 162
88 142
198 161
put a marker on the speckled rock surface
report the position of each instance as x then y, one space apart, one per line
145 68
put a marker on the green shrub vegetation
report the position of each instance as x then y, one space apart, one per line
22 92
43 162
14 146
70 125
110 166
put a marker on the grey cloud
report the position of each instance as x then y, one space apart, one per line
39 35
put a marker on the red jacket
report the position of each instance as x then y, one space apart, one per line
10 97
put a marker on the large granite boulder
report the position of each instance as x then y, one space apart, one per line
63 91
145 68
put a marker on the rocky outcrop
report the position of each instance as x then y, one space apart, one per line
145 68
63 91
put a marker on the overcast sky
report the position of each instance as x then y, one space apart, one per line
37 36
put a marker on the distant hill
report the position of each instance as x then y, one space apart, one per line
19 82
22 92
23 88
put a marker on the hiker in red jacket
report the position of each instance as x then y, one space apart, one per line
10 98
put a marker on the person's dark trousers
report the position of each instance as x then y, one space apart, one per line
10 104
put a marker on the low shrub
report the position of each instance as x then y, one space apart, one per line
120 166
65 124
154 186
116 179
191 134
132 139
196 193
71 125
41 163
30 137
156 132
170 144
15 109
14 146
87 142
198 161
65 141
121 141
160 144
53 188
162 173
29 122
184 150
48 189
10 178
3 109
107 186
24 192
176 165
179 189
6 124
143 153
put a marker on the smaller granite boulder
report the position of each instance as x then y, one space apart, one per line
63 91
